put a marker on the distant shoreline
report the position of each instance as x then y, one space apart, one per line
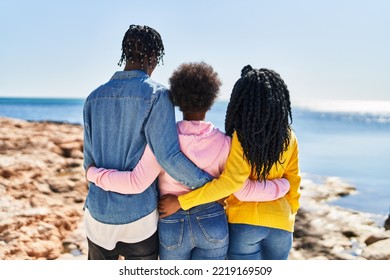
325 106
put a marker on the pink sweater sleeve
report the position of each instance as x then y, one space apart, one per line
263 191
127 182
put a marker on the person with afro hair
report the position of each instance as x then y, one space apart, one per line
201 232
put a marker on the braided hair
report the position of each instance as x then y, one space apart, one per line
141 44
259 111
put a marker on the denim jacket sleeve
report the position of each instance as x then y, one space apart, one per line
88 160
161 135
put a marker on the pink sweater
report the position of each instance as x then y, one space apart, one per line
204 145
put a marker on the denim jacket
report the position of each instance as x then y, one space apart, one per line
120 118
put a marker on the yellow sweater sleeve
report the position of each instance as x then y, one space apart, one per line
236 171
292 174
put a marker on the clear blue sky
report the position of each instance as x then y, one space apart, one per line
324 50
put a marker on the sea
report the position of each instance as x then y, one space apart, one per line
346 139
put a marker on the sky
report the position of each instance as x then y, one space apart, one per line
324 50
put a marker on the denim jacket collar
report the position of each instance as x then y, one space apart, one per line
121 75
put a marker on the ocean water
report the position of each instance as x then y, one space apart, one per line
350 140
41 109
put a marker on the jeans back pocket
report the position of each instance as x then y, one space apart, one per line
214 226
171 232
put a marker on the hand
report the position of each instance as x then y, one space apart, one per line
222 201
86 171
168 205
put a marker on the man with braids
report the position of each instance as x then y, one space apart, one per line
263 147
201 232
121 117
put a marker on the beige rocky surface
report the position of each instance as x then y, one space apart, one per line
325 231
42 188
42 191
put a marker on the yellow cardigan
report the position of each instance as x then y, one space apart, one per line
279 213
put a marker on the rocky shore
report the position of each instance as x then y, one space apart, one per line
42 192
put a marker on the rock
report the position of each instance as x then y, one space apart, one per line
72 149
377 251
375 238
41 249
61 185
7 174
349 233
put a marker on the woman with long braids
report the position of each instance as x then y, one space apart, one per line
263 147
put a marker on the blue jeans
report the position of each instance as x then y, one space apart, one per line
200 233
248 242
